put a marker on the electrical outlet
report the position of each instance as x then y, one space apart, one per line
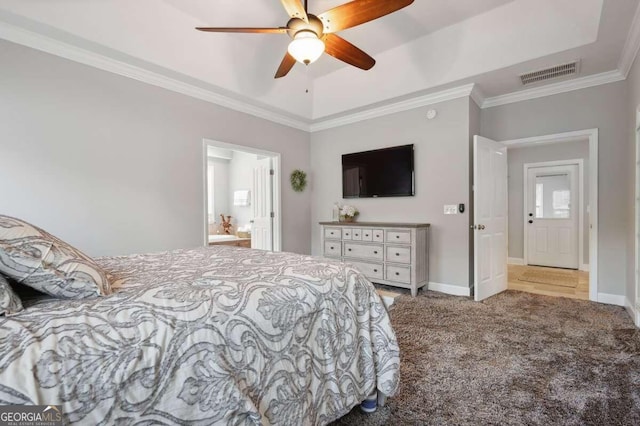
450 209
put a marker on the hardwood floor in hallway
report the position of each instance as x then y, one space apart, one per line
575 286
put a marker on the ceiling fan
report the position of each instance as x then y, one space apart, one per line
312 35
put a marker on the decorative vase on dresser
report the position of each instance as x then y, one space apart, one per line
395 254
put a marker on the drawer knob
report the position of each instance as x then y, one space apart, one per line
375 252
397 236
397 254
375 270
331 248
349 249
366 235
397 273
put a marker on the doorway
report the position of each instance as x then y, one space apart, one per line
487 277
241 196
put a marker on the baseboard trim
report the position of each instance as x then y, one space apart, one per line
584 267
612 299
454 290
515 261
631 309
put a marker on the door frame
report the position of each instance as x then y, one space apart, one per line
593 136
580 163
635 304
277 199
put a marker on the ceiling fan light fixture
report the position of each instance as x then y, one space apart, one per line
306 47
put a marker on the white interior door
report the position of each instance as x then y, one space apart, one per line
490 217
262 194
552 216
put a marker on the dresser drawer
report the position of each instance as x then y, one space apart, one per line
363 251
400 274
398 254
346 233
370 270
402 237
356 234
332 248
333 233
378 235
367 234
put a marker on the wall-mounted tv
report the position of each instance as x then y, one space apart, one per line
380 173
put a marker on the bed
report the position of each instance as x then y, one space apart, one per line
216 335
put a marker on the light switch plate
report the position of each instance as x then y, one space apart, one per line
450 209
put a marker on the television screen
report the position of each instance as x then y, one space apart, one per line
381 173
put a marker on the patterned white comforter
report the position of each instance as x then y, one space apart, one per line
218 335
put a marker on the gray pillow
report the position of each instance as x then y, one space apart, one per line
10 302
39 260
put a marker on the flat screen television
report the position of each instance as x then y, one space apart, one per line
380 173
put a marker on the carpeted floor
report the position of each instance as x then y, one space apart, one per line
514 359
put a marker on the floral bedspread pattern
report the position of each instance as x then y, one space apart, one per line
218 335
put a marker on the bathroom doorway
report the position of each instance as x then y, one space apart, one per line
241 196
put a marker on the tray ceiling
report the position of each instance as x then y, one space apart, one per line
430 45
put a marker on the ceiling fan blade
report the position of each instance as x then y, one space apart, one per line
341 49
358 12
281 30
285 66
295 9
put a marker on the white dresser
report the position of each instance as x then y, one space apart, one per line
395 254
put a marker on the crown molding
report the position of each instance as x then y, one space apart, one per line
631 46
19 35
477 96
392 108
49 45
555 88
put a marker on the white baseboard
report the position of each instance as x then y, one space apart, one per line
515 261
584 267
454 290
631 309
612 299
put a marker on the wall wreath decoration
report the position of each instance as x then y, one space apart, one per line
298 180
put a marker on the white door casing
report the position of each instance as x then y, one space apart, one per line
490 217
552 214
262 204
636 307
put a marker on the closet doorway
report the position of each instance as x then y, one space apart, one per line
241 196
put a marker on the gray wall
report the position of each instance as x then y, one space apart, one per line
475 115
603 107
633 105
518 157
441 172
115 166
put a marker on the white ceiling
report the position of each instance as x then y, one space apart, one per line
428 46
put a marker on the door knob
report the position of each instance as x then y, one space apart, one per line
530 214
530 221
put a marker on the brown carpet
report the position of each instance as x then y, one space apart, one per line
551 277
514 359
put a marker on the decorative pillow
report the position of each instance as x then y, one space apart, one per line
39 260
10 302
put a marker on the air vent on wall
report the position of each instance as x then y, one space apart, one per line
558 71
